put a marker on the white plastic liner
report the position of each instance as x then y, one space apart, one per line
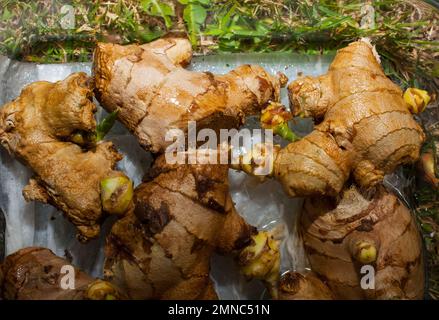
262 204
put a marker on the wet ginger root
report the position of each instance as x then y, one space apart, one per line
260 259
303 286
38 127
183 214
36 273
154 93
366 127
379 234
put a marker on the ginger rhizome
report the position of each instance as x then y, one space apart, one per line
182 214
154 93
365 127
37 274
38 128
260 260
379 233
303 286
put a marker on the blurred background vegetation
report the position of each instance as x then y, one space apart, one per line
405 34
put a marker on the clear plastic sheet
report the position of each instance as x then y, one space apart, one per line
262 204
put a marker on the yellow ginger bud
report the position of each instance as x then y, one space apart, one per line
259 161
116 193
261 259
365 251
101 290
417 99
274 115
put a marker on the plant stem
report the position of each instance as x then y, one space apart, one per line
284 131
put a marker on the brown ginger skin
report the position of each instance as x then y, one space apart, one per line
162 249
365 127
36 128
313 165
154 93
35 274
381 232
303 286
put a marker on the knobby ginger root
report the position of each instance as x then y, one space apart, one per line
428 167
182 214
154 93
37 274
292 166
276 117
303 286
37 128
366 127
379 233
261 260
313 165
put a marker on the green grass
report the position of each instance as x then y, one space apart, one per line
31 30
428 215
405 32
426 200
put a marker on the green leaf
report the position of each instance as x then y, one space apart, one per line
148 35
194 15
248 33
214 32
331 23
159 9
224 22
327 11
105 125
6 15
204 2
